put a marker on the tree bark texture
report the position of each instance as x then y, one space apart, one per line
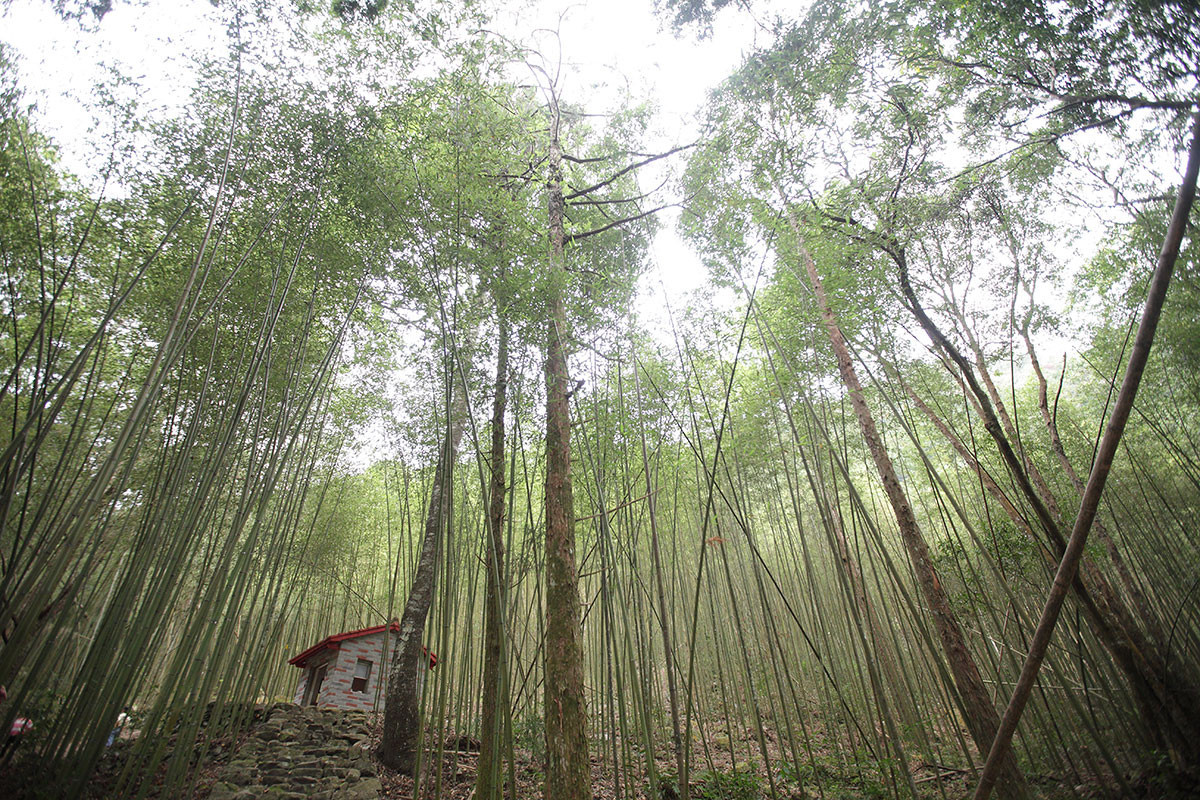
402 715
488 784
568 770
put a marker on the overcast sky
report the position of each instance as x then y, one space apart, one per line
611 49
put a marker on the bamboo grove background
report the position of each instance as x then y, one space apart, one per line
198 338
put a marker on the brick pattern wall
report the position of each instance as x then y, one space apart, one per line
339 675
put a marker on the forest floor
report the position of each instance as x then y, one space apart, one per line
721 769
719 773
725 769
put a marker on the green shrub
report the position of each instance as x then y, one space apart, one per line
529 733
728 786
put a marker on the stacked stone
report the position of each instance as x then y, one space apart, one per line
302 753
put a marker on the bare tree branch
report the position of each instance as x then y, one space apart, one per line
574 237
627 170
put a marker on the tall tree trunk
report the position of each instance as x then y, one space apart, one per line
494 686
1168 699
567 765
1179 715
401 716
981 717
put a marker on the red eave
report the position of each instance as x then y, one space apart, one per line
333 641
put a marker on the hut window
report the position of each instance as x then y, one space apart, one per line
362 673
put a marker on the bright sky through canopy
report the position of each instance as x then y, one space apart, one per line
614 52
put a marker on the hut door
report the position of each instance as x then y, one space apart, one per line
314 685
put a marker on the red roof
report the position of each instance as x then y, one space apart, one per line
333 642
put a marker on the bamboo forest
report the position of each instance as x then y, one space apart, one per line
672 400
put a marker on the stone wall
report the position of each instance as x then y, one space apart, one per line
302 752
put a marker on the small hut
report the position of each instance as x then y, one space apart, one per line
346 670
